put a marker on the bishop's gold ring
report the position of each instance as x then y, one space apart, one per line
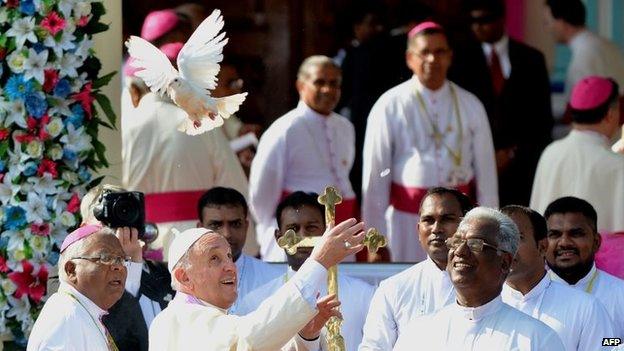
347 245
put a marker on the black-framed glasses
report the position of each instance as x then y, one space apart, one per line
108 260
474 244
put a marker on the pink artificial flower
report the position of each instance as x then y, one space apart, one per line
3 52
85 98
41 229
51 78
47 166
24 138
53 23
12 3
31 123
32 285
82 21
4 133
74 204
3 265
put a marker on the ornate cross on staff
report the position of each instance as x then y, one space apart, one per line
291 241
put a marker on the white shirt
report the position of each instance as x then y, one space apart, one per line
354 295
502 50
493 326
582 165
190 324
252 273
302 150
578 318
607 289
593 55
399 148
419 290
69 323
157 158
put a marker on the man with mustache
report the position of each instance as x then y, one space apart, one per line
581 322
302 213
425 287
479 259
572 244
92 272
224 210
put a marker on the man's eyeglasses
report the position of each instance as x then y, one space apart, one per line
108 260
435 53
474 244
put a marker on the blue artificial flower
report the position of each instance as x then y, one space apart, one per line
17 88
30 169
4 242
84 174
53 258
27 7
36 105
2 166
62 88
39 47
69 155
77 117
14 217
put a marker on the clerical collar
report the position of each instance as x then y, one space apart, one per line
591 136
92 308
309 113
589 278
480 312
432 95
535 292
501 47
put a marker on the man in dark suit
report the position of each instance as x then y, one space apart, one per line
511 80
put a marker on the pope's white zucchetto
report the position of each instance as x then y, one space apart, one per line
182 242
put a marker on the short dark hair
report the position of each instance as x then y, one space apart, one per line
464 201
570 11
571 204
220 196
598 113
537 220
297 200
494 7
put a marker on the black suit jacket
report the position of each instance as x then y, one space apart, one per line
125 319
520 116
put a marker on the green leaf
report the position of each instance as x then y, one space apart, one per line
98 27
105 124
4 146
3 40
95 182
100 150
98 9
105 105
104 80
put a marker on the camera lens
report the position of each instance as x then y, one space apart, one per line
125 210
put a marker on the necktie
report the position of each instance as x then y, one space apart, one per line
498 80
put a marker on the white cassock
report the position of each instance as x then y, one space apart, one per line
252 273
69 321
174 169
578 318
402 160
191 324
419 290
607 289
582 165
354 295
493 326
593 55
302 150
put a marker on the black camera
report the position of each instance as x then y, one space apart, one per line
122 209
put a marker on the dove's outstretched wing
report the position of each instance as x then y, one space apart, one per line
199 58
157 71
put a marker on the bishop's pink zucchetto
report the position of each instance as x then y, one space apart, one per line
79 234
422 27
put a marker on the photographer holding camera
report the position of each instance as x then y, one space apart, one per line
148 284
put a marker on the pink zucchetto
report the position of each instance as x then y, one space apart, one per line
158 23
590 92
422 27
171 50
79 234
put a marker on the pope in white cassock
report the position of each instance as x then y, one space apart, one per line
204 275
423 133
307 149
92 273
224 210
480 256
579 319
425 287
302 213
572 244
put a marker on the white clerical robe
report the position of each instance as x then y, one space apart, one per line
158 159
354 295
252 273
69 323
302 150
191 324
493 326
607 289
582 165
419 290
402 159
578 318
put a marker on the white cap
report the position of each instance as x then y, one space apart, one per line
243 142
182 242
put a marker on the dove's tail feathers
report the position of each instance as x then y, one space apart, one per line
228 105
191 127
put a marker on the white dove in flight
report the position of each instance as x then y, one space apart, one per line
198 62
